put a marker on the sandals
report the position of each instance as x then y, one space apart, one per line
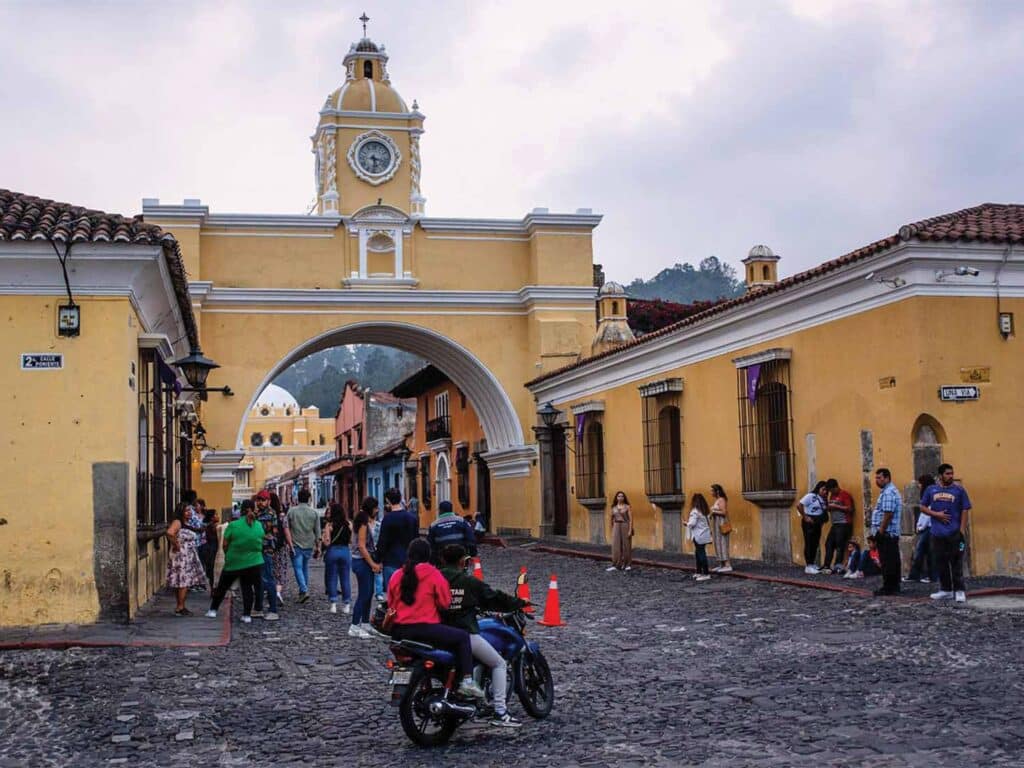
183 612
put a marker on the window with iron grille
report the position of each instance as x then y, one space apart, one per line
462 471
766 422
663 437
425 490
589 455
163 454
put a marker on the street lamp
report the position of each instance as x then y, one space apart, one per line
196 367
549 414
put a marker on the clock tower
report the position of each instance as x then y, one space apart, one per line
366 144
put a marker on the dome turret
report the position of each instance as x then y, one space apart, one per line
762 267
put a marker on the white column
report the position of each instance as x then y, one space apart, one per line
363 236
396 235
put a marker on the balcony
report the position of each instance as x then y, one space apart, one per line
438 429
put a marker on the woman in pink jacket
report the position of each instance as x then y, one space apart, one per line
417 593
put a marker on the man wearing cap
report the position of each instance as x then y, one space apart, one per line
304 523
449 528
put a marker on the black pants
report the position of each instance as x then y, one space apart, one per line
835 542
250 578
812 537
440 636
889 554
702 557
950 562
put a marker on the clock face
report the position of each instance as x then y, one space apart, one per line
374 157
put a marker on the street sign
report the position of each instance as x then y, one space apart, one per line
957 394
41 361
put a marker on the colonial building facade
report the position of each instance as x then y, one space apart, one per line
901 354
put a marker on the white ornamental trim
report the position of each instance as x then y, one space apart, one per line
661 387
374 178
591 406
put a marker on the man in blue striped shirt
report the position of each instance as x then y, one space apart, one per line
885 525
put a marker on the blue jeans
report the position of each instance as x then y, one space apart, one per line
924 561
300 563
364 580
338 567
269 587
389 571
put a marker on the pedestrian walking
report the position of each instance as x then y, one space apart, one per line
267 586
337 537
947 504
304 524
184 569
364 567
840 509
885 525
698 529
622 534
243 560
721 528
284 551
811 509
398 527
922 566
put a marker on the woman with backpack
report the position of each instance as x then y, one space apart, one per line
336 538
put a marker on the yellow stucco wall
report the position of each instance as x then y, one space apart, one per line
835 372
55 426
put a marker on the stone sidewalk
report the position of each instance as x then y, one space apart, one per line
155 625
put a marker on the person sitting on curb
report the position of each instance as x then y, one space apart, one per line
470 595
868 561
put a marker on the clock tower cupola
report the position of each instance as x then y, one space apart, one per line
367 141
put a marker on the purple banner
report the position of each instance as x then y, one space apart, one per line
753 376
581 419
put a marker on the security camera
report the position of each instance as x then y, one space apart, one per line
965 271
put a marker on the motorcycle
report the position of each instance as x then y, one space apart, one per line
424 683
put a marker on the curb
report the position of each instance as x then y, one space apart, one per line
989 592
63 644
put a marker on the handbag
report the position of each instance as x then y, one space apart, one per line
725 528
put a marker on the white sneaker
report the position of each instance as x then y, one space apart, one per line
333 608
211 614
717 570
941 595
271 616
925 580
610 568
724 569
812 569
346 608
247 619
703 577
356 631
961 597
628 568
857 575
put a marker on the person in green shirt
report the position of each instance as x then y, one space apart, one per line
243 559
470 595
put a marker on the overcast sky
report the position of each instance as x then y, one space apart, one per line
696 129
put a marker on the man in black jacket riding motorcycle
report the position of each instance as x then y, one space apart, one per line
470 595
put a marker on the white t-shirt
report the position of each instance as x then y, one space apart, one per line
813 505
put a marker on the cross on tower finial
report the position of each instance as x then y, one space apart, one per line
364 18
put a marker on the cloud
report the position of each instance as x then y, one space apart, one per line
697 128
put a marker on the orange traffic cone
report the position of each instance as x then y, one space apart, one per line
523 589
478 571
552 612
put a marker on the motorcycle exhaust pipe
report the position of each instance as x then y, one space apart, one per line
446 707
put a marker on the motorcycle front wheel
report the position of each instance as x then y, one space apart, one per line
534 685
419 723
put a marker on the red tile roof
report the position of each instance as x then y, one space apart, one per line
986 223
29 218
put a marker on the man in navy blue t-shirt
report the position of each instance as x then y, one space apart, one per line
947 503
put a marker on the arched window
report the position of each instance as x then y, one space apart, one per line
766 272
590 459
615 308
368 69
663 439
765 421
443 478
670 449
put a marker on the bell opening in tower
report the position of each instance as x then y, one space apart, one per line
368 69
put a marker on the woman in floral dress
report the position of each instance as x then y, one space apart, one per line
283 553
184 568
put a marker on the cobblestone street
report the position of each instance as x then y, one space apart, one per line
653 668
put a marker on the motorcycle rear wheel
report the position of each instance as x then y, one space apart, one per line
422 727
534 685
